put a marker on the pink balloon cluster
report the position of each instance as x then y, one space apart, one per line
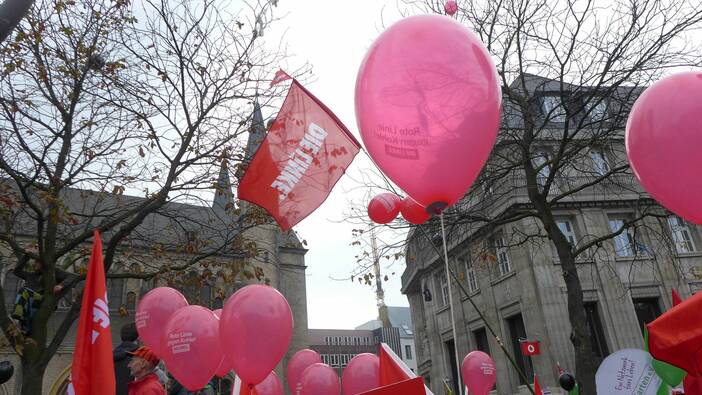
251 337
384 208
428 107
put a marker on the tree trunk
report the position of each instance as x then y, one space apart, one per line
32 378
585 359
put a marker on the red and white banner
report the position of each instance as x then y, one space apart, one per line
530 348
304 154
279 77
413 386
393 370
93 370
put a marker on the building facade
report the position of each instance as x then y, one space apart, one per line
519 286
279 262
338 346
401 319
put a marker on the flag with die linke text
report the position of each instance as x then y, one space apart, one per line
306 151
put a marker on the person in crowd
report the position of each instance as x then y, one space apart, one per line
128 334
177 389
142 367
31 294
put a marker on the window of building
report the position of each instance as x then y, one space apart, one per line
481 340
327 340
499 249
597 334
542 167
517 331
470 275
325 359
131 301
566 228
218 303
115 290
407 329
647 310
599 161
408 351
451 355
553 109
443 286
681 234
597 108
624 242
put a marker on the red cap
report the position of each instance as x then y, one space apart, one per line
145 353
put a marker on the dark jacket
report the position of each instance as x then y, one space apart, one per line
121 359
178 389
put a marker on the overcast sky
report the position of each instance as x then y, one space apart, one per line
333 37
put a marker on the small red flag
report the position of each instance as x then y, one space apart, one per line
530 348
279 77
691 384
304 154
393 370
537 387
93 370
676 336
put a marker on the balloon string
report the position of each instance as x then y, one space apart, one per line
480 313
453 319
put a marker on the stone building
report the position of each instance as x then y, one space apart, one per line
519 287
279 262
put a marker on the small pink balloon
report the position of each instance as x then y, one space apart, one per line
450 7
428 107
384 208
153 312
362 374
320 379
256 329
413 212
663 136
478 372
297 364
191 346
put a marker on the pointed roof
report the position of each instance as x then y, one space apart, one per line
224 198
257 131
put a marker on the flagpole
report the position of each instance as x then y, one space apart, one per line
459 390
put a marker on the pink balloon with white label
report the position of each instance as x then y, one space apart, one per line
478 372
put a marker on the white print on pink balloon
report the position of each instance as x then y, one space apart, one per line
300 160
488 369
141 318
101 316
180 342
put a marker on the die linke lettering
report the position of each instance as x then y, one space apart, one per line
101 316
299 161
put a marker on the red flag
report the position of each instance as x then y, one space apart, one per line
93 371
676 336
530 348
413 386
393 370
537 387
304 154
676 298
279 77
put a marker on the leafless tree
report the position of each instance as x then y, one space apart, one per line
114 115
585 63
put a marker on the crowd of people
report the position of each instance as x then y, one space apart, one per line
138 371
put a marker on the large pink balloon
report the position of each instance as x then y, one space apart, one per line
663 140
478 372
384 208
153 312
362 374
191 346
256 330
428 107
320 379
270 386
297 364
